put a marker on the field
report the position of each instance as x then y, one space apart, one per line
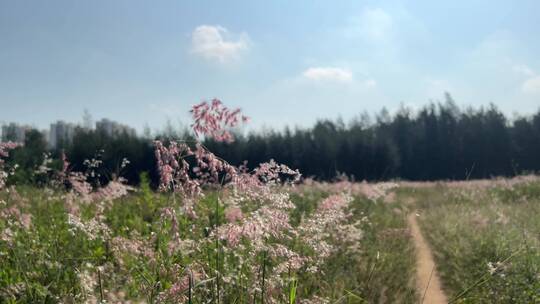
314 242
211 232
485 236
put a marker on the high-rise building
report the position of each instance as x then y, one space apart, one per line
61 133
14 132
113 128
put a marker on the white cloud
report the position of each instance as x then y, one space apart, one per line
214 43
331 74
531 85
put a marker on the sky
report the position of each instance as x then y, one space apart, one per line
282 62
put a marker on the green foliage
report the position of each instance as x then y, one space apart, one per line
292 291
27 159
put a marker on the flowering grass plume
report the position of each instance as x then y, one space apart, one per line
212 120
178 175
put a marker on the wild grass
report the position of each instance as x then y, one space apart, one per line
486 240
120 253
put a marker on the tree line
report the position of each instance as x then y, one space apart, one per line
440 141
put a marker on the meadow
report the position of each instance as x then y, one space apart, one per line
485 236
56 248
211 232
142 248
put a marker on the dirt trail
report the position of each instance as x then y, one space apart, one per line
426 274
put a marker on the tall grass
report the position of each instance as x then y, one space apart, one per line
485 239
126 255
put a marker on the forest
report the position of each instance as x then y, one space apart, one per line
440 141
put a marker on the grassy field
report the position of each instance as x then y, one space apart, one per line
338 243
57 247
485 236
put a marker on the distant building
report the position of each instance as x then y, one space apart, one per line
113 128
61 133
14 132
45 134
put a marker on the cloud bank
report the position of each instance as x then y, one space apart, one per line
214 43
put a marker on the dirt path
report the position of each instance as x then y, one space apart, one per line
427 280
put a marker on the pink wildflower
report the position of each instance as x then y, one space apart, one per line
212 119
177 175
170 213
21 219
79 184
174 169
133 245
233 214
177 293
113 190
334 201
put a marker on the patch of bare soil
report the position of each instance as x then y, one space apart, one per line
427 280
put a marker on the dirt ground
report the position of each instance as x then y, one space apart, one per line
427 279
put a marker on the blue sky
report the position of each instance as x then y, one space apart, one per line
282 62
